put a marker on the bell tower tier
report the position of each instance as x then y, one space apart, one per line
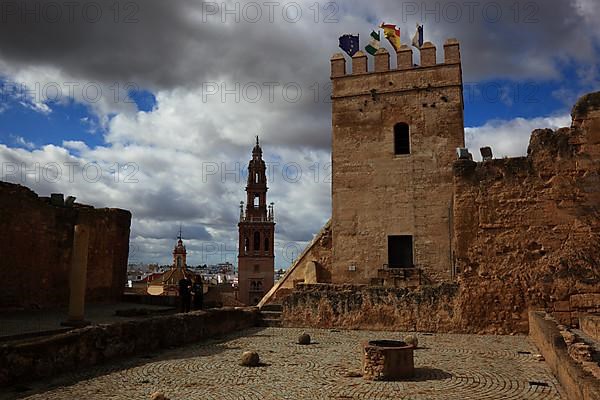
256 255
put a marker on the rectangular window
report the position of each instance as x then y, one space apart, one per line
401 139
400 251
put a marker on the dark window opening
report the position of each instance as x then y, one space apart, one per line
400 251
246 245
401 139
266 244
256 241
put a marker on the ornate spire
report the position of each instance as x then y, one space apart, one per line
257 151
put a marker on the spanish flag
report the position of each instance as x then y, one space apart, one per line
392 34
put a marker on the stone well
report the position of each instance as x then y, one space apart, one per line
388 360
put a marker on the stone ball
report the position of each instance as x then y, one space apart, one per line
304 339
158 396
250 359
411 340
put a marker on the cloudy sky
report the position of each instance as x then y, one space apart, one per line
153 105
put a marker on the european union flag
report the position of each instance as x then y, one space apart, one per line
350 44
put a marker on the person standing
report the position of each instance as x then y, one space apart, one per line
198 291
185 293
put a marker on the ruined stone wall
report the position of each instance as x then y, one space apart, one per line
376 193
428 309
576 382
35 249
312 266
527 230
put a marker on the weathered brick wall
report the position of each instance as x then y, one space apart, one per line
35 249
429 309
376 193
527 230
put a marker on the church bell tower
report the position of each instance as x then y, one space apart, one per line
256 255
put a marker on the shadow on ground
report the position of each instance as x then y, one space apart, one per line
204 348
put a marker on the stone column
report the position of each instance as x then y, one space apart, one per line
79 260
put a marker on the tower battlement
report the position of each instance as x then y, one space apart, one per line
406 76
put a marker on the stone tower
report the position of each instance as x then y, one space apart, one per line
395 134
256 256
168 283
179 253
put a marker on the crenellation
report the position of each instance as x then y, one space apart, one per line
338 65
428 54
404 60
405 57
359 63
451 51
382 60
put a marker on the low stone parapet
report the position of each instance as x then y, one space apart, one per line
575 381
44 357
427 309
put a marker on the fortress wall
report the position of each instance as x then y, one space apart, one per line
428 309
526 230
525 235
35 249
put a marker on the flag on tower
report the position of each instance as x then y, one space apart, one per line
418 38
374 44
392 34
350 44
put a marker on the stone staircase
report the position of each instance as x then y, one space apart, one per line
271 315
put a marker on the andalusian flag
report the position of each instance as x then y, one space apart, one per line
374 44
392 34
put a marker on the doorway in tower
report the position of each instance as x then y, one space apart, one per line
256 292
400 251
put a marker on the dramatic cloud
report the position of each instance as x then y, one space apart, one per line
222 72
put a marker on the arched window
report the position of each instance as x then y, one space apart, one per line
256 241
267 243
178 262
256 200
401 138
246 244
256 178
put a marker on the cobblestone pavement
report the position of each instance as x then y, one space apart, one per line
449 367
